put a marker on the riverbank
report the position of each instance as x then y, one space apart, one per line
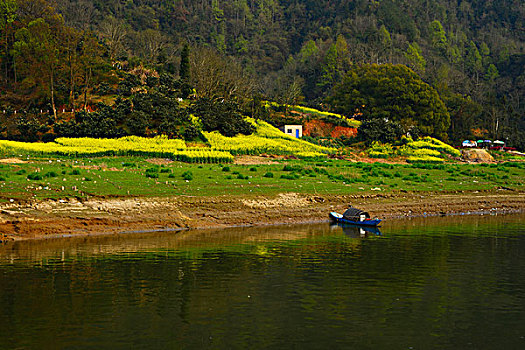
71 217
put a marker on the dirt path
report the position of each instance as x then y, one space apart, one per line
103 216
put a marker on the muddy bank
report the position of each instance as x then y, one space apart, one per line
110 216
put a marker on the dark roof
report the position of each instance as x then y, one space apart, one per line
354 213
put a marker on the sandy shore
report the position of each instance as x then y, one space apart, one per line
65 218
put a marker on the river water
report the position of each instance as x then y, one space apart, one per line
427 283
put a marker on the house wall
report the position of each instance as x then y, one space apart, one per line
293 130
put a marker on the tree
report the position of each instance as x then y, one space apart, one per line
438 37
184 71
379 129
223 116
39 47
492 73
329 69
473 60
7 17
218 77
463 113
114 33
415 58
394 93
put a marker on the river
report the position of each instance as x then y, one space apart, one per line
424 283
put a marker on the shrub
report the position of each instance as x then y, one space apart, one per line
292 168
34 176
290 176
187 175
51 174
268 174
152 170
75 172
21 172
226 168
380 150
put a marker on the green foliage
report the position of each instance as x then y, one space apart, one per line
393 92
223 116
293 51
34 176
379 150
415 58
438 36
379 130
187 175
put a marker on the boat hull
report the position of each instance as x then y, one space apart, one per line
336 217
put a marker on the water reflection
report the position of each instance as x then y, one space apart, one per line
423 283
356 231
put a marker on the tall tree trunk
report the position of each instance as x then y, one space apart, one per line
53 94
88 78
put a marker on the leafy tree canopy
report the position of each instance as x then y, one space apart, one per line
394 93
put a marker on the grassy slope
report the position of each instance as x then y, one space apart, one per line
126 176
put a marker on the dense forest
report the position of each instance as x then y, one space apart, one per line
468 56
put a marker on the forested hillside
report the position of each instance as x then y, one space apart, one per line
470 52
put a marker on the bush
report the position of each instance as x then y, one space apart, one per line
226 168
152 170
268 174
290 176
292 168
223 115
379 130
34 176
187 175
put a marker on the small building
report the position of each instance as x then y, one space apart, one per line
293 130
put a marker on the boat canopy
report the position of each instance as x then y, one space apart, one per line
354 214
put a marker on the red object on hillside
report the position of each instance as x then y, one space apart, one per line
318 128
343 131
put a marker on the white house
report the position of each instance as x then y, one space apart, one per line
293 130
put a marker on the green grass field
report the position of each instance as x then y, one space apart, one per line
57 178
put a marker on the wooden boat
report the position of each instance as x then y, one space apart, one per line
354 216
